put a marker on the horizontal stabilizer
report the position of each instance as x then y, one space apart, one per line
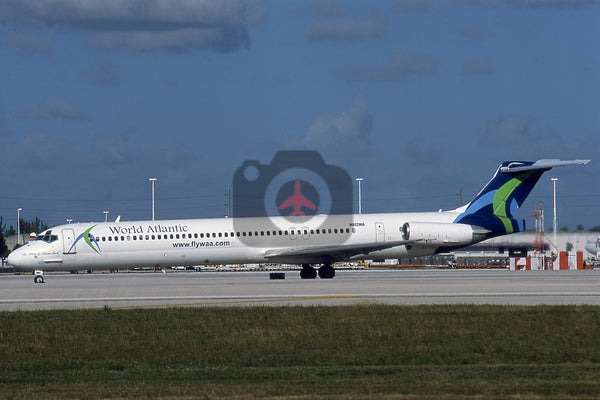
540 165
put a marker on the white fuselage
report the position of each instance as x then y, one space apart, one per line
190 242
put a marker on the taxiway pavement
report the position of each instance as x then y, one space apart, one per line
130 290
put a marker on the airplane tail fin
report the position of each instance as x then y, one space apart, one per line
496 204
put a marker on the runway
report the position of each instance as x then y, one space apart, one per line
182 289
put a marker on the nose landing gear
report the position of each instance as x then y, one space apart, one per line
39 277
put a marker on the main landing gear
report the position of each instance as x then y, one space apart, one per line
309 272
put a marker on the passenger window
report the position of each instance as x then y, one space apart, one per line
249 234
110 238
214 234
262 233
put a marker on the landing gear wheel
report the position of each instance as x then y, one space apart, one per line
38 279
308 272
326 272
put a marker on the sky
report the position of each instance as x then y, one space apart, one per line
423 99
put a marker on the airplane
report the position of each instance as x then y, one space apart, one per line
309 241
593 246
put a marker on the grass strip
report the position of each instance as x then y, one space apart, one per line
360 351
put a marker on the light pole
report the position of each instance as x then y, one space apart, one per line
554 180
359 180
152 180
105 216
19 225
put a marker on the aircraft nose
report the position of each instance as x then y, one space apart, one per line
15 259
12 259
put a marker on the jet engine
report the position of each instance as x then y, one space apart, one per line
443 234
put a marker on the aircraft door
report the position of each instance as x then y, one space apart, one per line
293 234
68 237
305 233
379 232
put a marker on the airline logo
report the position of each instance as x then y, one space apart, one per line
89 239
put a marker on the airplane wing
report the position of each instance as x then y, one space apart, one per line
329 253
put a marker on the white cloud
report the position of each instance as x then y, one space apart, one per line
203 24
349 131
218 39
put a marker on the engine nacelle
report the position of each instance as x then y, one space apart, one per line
443 234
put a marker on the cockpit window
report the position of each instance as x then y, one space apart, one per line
47 237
